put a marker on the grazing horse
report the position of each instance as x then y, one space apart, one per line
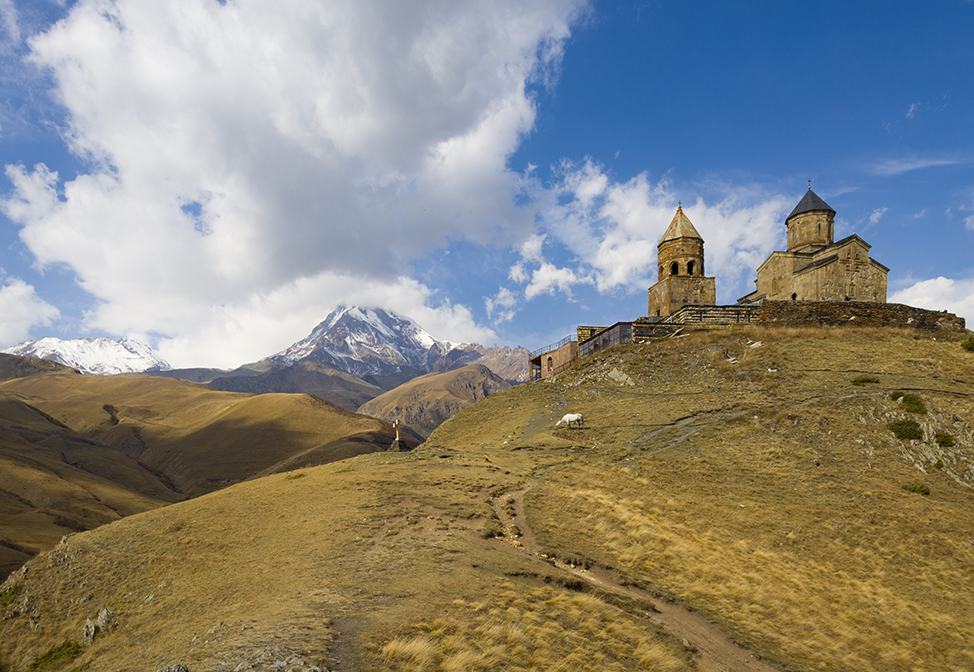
570 418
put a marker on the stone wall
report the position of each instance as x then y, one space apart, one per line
856 313
716 315
668 295
585 333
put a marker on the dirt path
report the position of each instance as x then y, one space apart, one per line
714 651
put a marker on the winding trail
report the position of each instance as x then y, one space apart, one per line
713 649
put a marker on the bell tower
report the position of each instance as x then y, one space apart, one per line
681 278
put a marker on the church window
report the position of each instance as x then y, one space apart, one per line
689 268
550 364
674 268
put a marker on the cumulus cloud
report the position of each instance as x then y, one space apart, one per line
21 309
250 149
611 230
502 306
227 335
955 296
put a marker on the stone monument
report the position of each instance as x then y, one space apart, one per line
398 445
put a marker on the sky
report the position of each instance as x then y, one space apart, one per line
213 177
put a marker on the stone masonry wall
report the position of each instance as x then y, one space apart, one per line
716 315
856 313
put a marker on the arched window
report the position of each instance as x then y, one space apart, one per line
674 268
661 271
551 365
689 268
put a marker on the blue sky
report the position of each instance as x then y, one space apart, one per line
213 178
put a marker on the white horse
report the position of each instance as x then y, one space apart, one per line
570 418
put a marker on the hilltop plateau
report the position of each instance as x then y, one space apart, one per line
736 499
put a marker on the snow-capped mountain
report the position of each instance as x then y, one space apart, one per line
98 356
373 341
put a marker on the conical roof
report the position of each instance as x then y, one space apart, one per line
680 227
810 201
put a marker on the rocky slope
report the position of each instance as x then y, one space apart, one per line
308 376
749 474
426 402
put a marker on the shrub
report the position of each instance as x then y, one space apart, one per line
917 487
912 403
906 429
7 596
968 344
57 655
944 439
862 380
895 394
492 528
940 464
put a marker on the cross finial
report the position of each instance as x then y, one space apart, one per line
809 185
679 204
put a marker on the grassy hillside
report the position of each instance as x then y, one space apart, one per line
750 475
426 402
80 451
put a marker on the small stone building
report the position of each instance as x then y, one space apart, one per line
814 268
553 359
681 280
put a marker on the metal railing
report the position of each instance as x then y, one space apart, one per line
553 346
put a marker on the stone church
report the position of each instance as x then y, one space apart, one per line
681 278
814 268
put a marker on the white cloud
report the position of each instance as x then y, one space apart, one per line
262 324
911 113
10 27
900 166
614 228
876 215
21 309
604 234
955 296
251 149
502 306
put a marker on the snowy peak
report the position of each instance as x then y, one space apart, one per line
371 341
96 356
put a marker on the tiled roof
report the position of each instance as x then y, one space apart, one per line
810 201
680 227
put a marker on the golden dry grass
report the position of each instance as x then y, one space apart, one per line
542 629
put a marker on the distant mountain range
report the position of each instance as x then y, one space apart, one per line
353 356
98 356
